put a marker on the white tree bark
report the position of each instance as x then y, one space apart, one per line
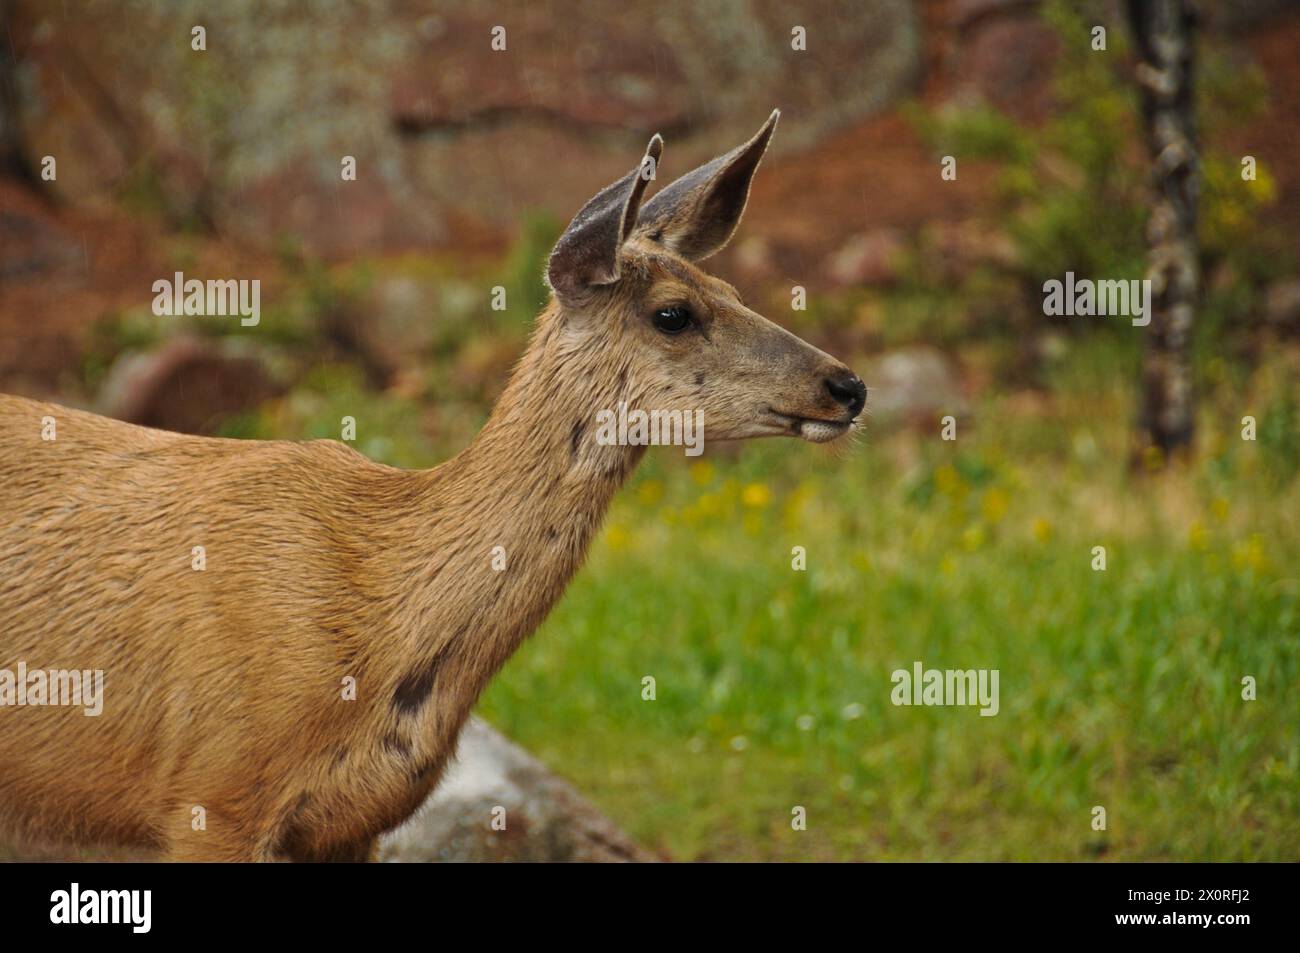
1165 34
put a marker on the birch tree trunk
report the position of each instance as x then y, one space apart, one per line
1165 34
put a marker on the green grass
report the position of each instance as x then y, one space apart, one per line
1119 688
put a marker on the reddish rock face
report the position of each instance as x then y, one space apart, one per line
446 127
231 155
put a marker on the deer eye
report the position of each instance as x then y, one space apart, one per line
673 320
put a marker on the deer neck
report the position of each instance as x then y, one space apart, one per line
512 517
536 478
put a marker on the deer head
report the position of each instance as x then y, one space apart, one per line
633 305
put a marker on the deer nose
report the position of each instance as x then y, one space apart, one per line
848 390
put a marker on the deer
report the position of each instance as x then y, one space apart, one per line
298 692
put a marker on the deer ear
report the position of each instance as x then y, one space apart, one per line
697 215
587 252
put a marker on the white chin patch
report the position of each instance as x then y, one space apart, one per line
817 432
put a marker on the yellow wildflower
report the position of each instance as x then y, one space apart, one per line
994 505
1042 529
702 473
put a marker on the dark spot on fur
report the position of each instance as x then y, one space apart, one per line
699 378
421 771
396 744
340 755
413 690
294 815
578 428
551 533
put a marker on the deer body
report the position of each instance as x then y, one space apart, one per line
320 565
228 729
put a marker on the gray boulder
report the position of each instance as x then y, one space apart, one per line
544 818
917 384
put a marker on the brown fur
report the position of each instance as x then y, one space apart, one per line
223 687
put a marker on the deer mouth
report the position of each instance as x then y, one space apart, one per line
822 431
812 429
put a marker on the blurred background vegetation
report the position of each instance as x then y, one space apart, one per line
1119 688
